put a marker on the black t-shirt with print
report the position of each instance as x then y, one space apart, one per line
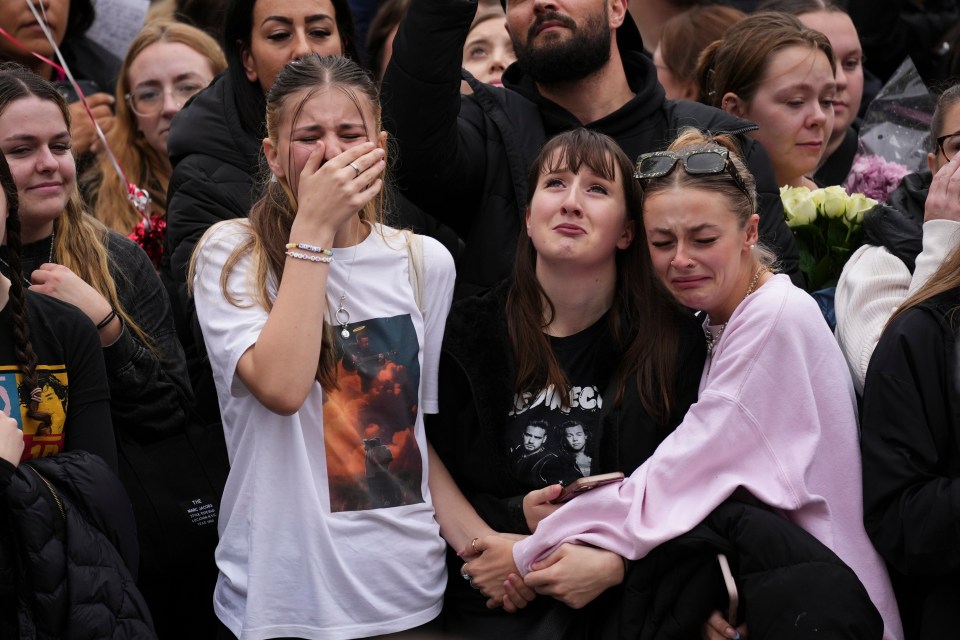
72 379
548 443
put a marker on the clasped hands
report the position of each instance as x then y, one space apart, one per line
573 574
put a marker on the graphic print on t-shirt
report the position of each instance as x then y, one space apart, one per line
549 443
373 460
39 439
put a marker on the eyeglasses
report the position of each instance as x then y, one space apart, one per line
147 101
696 162
949 145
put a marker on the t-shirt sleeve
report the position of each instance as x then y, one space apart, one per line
230 326
438 278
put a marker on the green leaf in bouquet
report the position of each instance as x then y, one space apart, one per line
837 233
807 261
821 272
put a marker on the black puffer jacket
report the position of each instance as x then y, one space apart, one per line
68 549
465 160
216 162
897 225
911 463
790 586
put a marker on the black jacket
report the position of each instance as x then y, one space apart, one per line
897 225
216 165
216 162
68 552
911 463
790 586
476 394
465 160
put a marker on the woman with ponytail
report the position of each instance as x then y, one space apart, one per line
323 327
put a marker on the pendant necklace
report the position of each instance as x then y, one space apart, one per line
713 340
342 316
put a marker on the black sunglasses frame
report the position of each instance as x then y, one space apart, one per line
684 157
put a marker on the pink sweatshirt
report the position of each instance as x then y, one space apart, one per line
776 415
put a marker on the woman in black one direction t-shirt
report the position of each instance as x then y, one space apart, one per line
582 334
53 381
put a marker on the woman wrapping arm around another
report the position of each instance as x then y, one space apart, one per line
776 415
582 346
325 358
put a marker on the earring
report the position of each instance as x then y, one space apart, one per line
273 177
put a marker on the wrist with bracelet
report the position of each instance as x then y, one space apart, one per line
107 320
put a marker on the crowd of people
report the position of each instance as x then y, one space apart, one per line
319 311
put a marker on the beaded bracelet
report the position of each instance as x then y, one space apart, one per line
307 256
309 247
103 323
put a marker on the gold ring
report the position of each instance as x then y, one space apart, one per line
473 543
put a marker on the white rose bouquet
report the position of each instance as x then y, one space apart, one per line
827 224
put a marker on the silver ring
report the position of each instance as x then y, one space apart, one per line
355 168
465 575
473 584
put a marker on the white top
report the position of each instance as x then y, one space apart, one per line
874 282
776 416
326 526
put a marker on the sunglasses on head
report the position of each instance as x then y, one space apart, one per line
696 162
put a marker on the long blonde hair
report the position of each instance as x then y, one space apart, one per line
271 217
140 161
80 242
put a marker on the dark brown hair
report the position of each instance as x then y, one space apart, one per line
237 35
23 348
643 317
739 61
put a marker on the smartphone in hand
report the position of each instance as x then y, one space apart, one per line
582 485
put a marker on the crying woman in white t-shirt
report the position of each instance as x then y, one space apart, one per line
324 327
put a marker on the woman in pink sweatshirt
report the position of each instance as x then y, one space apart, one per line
776 416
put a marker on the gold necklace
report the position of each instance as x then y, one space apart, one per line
711 340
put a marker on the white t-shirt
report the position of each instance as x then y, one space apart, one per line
326 526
